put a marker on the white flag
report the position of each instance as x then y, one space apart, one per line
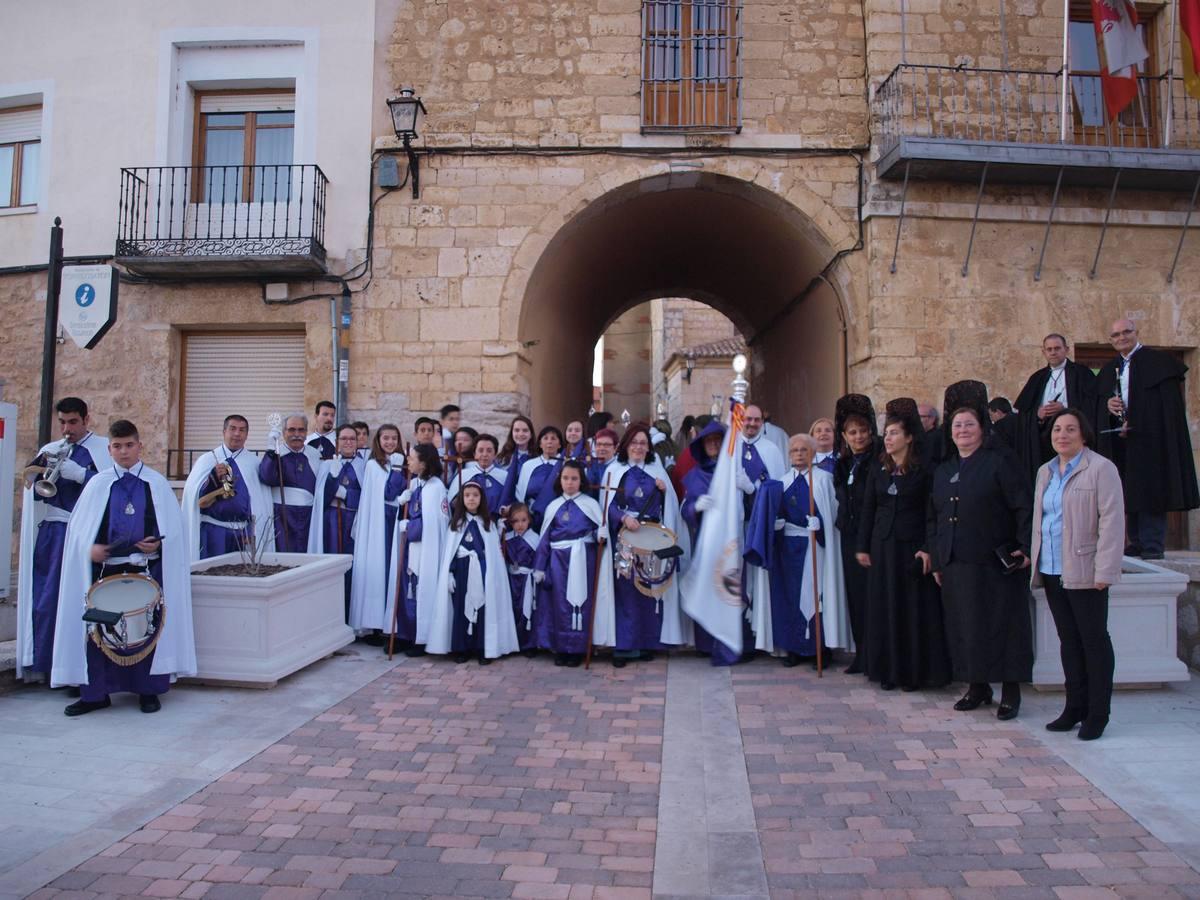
712 587
1123 45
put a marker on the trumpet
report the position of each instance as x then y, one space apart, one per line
224 492
46 477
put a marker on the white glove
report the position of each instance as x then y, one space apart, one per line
340 493
72 471
274 438
405 496
538 577
396 459
452 584
779 523
813 525
705 503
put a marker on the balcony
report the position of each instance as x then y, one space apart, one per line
222 221
949 123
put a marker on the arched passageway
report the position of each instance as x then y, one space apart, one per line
731 244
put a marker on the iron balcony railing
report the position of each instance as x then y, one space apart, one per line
1029 107
222 211
692 65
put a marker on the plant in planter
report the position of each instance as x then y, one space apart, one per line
253 554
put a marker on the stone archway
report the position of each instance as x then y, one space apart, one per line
736 244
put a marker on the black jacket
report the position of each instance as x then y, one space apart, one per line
897 517
850 496
1031 438
989 507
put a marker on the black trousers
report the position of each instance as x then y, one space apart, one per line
1081 618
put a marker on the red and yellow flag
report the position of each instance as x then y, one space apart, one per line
1189 45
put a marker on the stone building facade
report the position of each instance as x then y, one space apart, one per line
547 209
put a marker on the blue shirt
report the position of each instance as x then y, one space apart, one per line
1050 558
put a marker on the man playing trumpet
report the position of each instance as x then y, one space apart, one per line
53 483
224 502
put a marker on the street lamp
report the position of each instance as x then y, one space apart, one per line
407 114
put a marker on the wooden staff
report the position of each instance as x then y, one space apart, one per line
812 549
600 544
282 504
398 562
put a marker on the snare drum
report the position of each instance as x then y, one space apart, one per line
636 558
138 601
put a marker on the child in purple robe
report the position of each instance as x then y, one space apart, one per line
520 548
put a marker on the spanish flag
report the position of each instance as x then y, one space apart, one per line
1189 45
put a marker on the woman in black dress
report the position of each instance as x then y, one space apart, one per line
980 517
906 642
857 446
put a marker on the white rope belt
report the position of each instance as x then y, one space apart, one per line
56 514
232 526
577 586
294 496
475 597
791 530
529 598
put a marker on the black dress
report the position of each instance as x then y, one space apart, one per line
906 640
978 505
850 476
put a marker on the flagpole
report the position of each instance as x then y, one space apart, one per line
1066 72
1167 123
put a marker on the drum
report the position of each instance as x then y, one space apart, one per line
126 614
638 558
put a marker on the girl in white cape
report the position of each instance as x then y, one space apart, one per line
472 610
384 479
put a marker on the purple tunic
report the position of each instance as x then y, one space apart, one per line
493 489
291 519
129 518
460 640
324 446
47 558
553 621
790 629
338 515
214 539
396 483
539 492
521 555
638 617
406 613
513 464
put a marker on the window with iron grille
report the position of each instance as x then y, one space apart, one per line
691 65
244 140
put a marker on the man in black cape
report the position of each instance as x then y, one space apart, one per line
1061 383
1144 431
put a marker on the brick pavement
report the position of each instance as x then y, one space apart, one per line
525 780
861 793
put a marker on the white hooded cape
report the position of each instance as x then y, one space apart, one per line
32 514
835 618
369 600
499 627
330 468
604 632
261 506
435 515
676 629
176 650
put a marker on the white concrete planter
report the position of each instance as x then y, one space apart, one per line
1141 621
255 631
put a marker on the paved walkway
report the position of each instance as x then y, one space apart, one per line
525 780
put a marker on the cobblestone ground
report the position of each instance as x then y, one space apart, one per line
859 793
525 780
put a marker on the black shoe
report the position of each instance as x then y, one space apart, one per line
560 659
461 658
1006 711
790 661
887 685
909 688
83 707
574 660
619 662
372 640
855 668
1153 554
530 653
415 651
1133 550
1065 722
1092 728
973 699
484 661
149 703
646 656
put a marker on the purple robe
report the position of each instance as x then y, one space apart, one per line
460 640
47 558
513 465
324 446
392 489
553 620
291 519
539 492
214 539
493 489
129 518
406 613
638 617
521 556
338 515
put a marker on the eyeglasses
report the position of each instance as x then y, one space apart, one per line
1125 333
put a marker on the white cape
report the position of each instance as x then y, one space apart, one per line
499 628
260 498
369 579
32 513
329 468
778 438
604 631
176 650
676 629
835 617
435 515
